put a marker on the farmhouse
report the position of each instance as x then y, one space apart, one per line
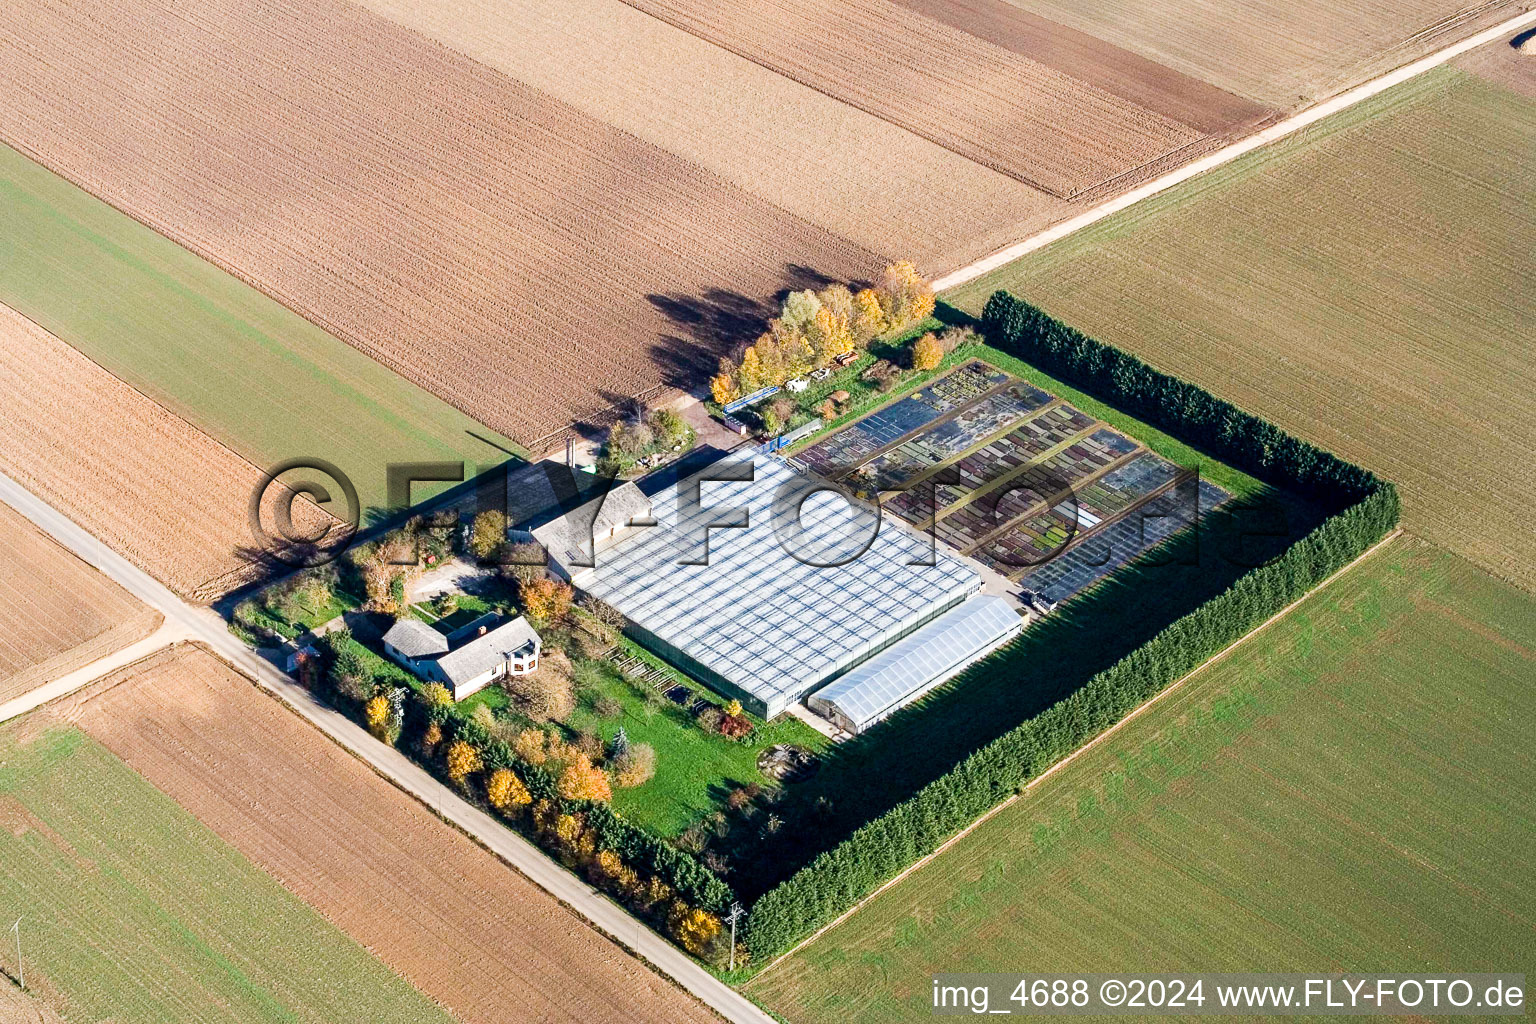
573 538
763 585
469 658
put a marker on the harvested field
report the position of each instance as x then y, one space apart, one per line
985 102
205 345
1502 64
16 1007
463 927
832 165
1146 83
1282 55
509 254
57 613
1348 789
144 481
133 913
1365 284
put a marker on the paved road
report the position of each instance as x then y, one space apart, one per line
1226 154
207 627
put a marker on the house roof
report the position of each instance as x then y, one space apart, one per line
484 653
568 537
415 639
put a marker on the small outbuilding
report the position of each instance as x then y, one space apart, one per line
468 659
573 538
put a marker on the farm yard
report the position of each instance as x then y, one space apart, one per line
476 937
1360 765
57 613
1318 283
252 375
108 457
137 914
385 208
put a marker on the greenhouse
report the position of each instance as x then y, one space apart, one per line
917 663
766 587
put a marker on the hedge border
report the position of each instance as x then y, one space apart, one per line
1365 509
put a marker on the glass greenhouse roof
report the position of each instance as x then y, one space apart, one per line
771 612
918 662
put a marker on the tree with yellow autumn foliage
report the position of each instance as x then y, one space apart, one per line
463 761
926 352
506 791
905 295
529 746
722 386
868 321
581 780
545 600
694 928
376 711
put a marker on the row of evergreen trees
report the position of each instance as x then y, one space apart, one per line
1367 511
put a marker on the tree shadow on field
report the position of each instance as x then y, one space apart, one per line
720 322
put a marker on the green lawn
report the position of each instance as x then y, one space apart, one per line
1349 791
205 345
134 912
694 771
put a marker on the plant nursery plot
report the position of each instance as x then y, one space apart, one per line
144 481
470 932
1347 789
134 913
982 101
882 429
57 613
517 258
1365 284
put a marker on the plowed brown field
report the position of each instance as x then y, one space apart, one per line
1281 54
520 259
1160 89
982 101
144 481
56 612
821 160
456 922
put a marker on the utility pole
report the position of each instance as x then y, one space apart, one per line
21 975
735 915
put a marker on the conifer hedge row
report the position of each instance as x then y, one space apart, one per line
1366 510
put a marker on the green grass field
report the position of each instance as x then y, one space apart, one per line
1365 284
134 912
240 366
1348 791
695 771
